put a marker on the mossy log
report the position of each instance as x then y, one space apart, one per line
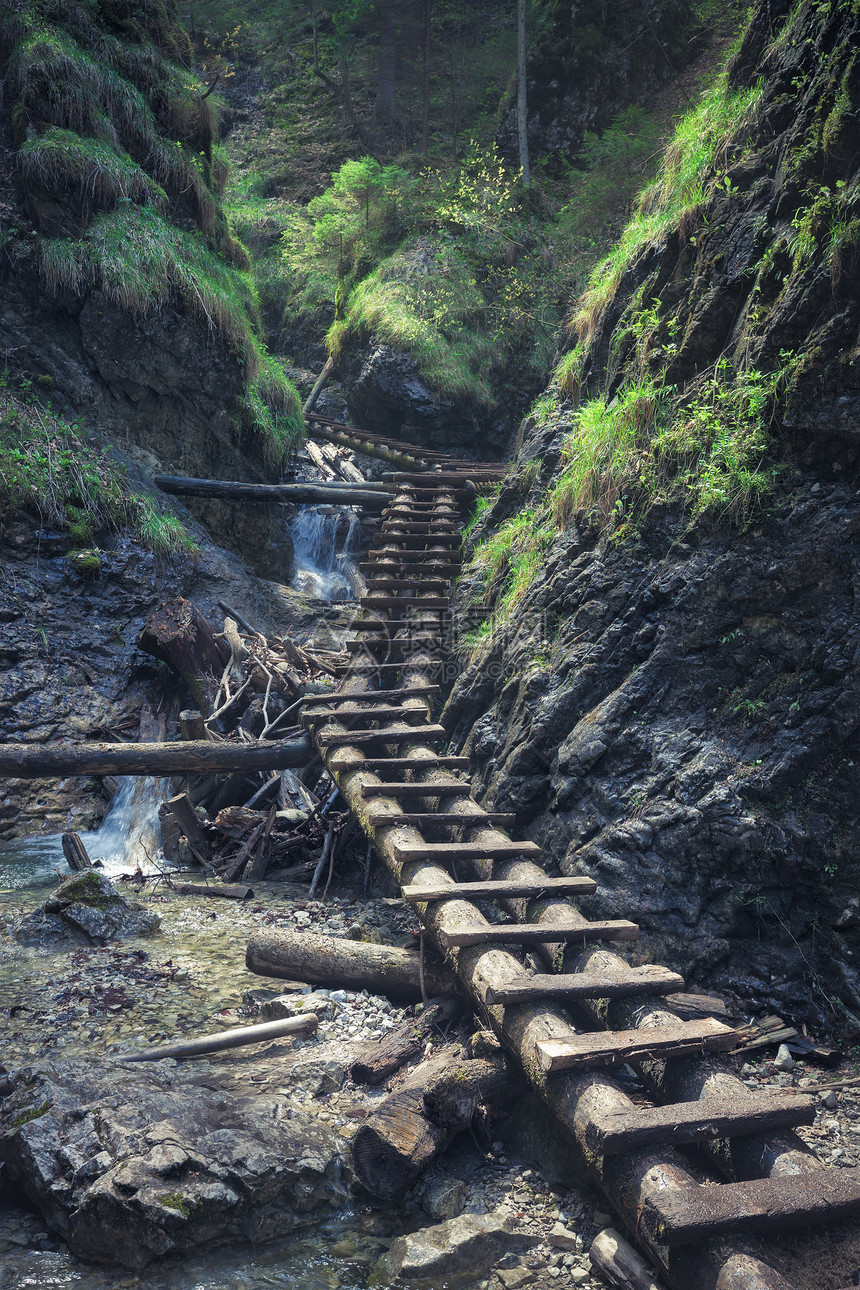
179 635
380 1059
346 494
36 761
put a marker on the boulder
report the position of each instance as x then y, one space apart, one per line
86 909
127 1165
452 1253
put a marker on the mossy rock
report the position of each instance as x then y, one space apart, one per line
86 564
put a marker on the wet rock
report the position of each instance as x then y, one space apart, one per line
85 910
445 1197
318 1077
292 1005
457 1251
127 1165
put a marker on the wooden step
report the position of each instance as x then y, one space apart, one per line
430 527
682 1215
423 819
405 584
414 541
373 696
363 716
419 637
423 893
446 788
443 851
616 929
612 1132
372 567
423 623
355 668
588 985
686 1039
406 763
393 735
401 602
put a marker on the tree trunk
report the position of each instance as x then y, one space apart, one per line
425 82
379 1060
36 761
347 494
76 853
437 1101
351 965
179 635
386 76
522 106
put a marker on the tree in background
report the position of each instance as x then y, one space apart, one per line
522 106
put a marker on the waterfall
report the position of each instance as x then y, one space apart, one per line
128 836
324 540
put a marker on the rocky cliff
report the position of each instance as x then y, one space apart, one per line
669 695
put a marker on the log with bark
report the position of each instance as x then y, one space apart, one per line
35 761
438 1100
76 853
179 635
352 965
377 1061
368 495
227 891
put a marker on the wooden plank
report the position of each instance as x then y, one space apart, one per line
615 929
355 668
405 763
444 788
374 696
393 735
400 602
682 1215
424 623
615 1131
411 642
445 851
418 893
434 566
363 715
404 584
443 818
648 979
686 1039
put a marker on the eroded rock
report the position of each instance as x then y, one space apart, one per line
85 910
454 1252
127 1165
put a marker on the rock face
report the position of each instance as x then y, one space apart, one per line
452 1253
130 1165
85 910
676 714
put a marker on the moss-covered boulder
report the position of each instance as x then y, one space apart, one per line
85 910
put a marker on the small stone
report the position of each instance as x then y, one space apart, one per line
515 1278
830 1101
561 1238
784 1060
601 1218
579 1276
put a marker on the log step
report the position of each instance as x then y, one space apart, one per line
417 893
404 584
616 929
424 819
374 696
400 602
587 985
503 850
356 646
423 623
393 735
405 763
419 541
362 716
445 788
355 668
612 1132
418 566
682 1215
686 1039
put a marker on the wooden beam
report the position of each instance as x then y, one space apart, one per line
415 893
440 788
373 696
682 1215
709 1117
615 929
336 494
503 849
393 735
686 1038
37 761
586 985
439 819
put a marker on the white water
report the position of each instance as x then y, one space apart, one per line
324 541
129 836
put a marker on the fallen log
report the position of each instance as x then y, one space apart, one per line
36 761
75 853
352 965
406 1132
378 1060
224 1039
228 891
179 635
619 1263
368 494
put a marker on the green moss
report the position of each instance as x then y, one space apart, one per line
34 1114
175 1200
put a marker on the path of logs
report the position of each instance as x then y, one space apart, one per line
539 971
